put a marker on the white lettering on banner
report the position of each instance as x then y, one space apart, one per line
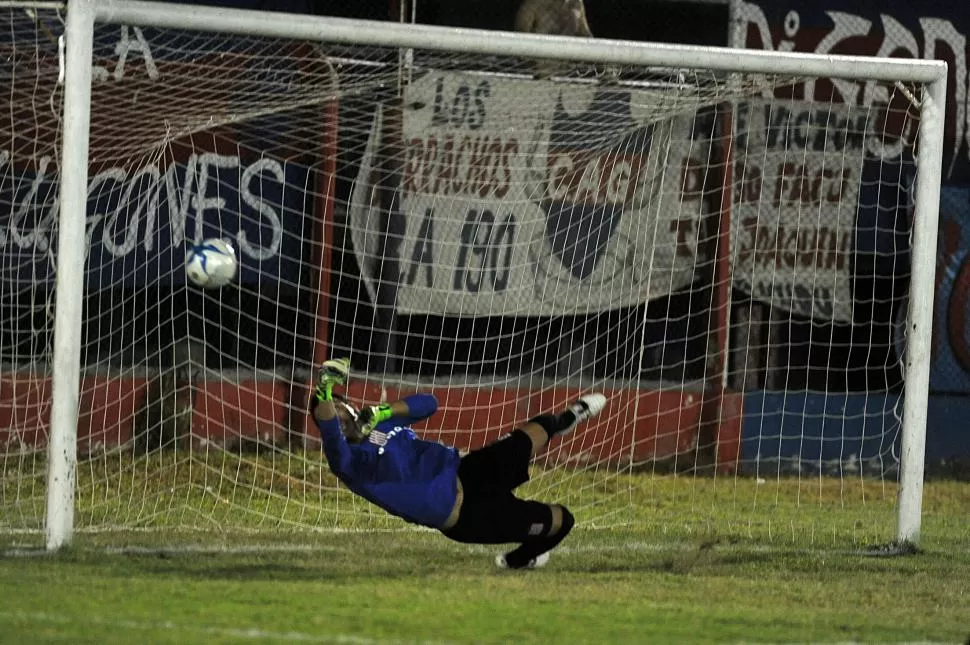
939 38
124 48
136 211
510 206
36 236
795 207
117 176
179 198
274 168
200 202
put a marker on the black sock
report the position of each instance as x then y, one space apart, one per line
520 557
551 423
567 418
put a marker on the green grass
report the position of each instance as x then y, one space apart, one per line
222 548
218 490
414 587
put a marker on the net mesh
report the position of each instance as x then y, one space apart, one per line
721 257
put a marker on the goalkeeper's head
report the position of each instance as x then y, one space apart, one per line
348 415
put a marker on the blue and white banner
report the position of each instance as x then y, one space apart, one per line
525 198
141 219
153 187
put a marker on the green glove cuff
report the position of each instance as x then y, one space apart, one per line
382 413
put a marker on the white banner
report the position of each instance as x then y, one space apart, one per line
798 171
526 198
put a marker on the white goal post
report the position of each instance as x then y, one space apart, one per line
746 68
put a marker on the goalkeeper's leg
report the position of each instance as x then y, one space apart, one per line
543 428
534 550
491 514
504 464
502 518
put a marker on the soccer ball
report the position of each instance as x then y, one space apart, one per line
211 263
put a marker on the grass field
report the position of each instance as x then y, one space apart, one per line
730 560
410 587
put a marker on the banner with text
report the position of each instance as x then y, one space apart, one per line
797 178
153 187
933 29
525 198
893 28
141 220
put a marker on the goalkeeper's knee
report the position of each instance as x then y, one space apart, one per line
534 546
568 522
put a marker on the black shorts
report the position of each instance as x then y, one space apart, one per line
490 511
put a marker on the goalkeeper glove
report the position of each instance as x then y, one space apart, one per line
336 371
372 415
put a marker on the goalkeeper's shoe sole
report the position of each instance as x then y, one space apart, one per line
535 563
585 407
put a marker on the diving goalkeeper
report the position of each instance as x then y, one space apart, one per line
377 455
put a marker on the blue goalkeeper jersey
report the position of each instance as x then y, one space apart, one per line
406 476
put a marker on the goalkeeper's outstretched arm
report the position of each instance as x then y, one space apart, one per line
339 455
410 409
335 446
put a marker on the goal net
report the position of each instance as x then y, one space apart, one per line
725 255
